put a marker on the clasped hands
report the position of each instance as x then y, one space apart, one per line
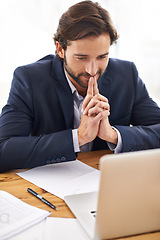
94 118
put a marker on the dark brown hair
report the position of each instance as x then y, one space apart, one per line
84 19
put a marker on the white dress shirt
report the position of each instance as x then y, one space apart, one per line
78 100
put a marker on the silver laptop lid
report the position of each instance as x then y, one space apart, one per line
129 194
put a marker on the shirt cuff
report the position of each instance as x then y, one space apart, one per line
116 148
75 140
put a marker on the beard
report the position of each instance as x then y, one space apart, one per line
77 77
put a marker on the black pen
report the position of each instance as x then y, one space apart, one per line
41 198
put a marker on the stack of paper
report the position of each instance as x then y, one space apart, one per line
62 179
15 215
54 228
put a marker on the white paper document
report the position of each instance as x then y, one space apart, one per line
15 215
62 179
64 228
35 232
54 229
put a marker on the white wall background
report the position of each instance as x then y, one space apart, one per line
27 27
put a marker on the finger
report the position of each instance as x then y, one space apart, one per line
95 87
103 105
94 111
89 94
90 86
86 102
90 105
100 116
94 103
97 109
101 98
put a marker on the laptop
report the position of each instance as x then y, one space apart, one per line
128 200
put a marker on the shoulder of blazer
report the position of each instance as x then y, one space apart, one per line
43 64
117 68
47 67
118 64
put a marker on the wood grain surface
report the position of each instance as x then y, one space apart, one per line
17 186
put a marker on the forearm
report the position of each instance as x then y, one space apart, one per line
29 151
139 137
117 148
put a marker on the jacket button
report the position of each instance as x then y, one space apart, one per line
63 159
58 160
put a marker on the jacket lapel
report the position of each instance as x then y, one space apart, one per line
64 92
104 86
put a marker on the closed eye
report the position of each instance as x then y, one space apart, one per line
103 56
81 58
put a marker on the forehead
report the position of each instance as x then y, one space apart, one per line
89 45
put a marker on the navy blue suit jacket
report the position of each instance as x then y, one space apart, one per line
36 123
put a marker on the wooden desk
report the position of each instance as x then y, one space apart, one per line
17 186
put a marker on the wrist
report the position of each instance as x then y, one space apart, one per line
81 139
111 136
114 136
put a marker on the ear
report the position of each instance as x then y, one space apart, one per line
59 49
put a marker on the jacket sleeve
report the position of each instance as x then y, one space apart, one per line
144 131
18 148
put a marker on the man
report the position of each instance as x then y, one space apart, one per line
55 108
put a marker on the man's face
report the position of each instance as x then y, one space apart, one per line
86 58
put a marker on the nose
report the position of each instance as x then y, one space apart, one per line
91 68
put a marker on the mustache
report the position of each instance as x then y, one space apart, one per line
85 74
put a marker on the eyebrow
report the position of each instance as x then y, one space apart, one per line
107 53
84 55
80 55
